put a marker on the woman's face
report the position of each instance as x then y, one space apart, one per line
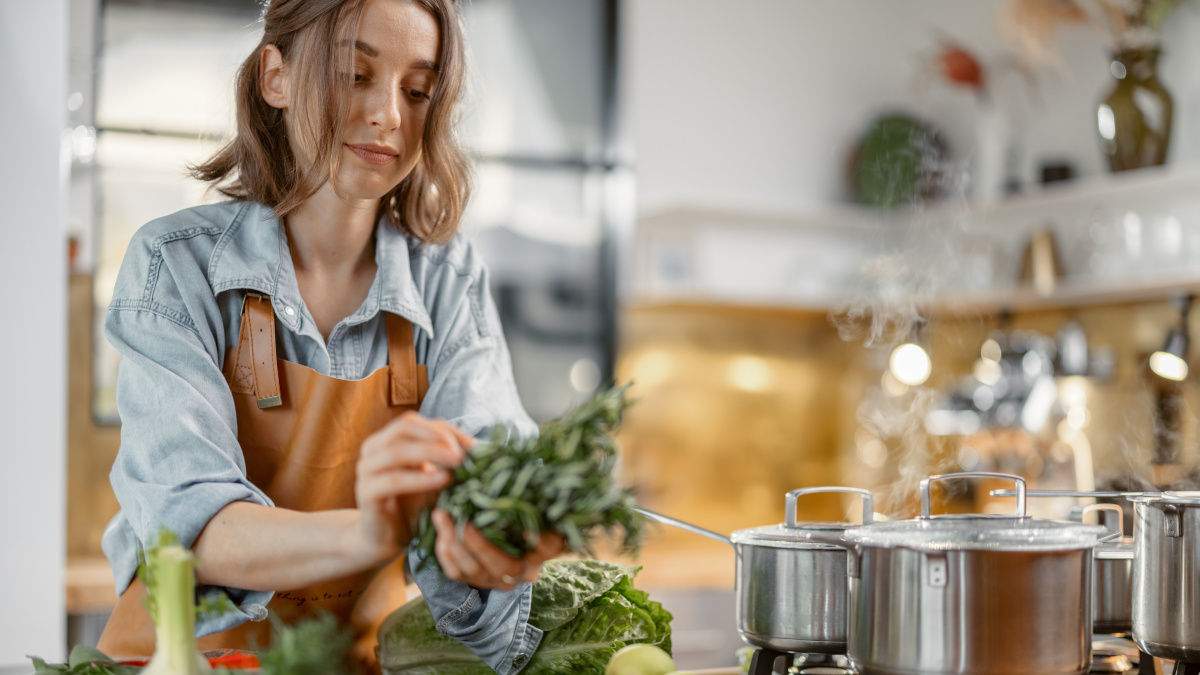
395 70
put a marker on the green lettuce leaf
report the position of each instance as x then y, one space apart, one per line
587 608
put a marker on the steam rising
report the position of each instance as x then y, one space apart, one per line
888 306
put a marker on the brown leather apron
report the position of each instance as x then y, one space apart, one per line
300 433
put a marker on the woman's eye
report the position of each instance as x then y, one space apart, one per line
418 95
359 77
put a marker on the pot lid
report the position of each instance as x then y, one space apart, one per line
977 533
1171 497
789 536
1117 549
793 534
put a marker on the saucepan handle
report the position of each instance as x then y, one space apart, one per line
868 502
926 509
1112 508
694 529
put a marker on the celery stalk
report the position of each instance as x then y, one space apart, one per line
168 571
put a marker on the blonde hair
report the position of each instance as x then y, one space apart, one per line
316 39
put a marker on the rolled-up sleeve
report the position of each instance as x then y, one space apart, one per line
179 461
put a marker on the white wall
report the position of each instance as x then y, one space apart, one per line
755 104
33 74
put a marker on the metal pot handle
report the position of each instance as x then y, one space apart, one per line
926 509
694 529
868 502
1097 508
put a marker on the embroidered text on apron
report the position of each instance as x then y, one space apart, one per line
300 433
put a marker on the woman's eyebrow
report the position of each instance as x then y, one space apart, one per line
366 48
423 64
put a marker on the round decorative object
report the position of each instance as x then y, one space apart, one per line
899 161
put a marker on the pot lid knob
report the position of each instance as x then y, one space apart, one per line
927 511
868 502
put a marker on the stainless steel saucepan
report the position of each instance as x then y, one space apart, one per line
970 594
1166 567
1112 577
791 592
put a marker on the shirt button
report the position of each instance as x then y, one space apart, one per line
289 311
520 660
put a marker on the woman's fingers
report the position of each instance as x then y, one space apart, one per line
441 547
372 488
457 562
498 564
465 440
548 546
460 555
411 427
408 454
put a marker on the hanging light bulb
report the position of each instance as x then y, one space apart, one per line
910 364
1170 362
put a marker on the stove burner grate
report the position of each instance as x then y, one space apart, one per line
766 661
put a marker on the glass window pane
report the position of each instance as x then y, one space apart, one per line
535 69
170 68
539 231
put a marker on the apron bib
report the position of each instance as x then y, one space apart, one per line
300 433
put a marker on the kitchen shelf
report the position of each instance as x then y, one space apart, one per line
1086 293
1130 237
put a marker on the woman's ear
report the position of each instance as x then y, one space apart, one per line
271 77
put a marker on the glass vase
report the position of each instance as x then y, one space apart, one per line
1135 120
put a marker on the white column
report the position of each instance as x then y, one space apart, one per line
33 300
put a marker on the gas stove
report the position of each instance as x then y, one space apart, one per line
1110 655
770 662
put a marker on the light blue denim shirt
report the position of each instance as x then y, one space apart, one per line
176 309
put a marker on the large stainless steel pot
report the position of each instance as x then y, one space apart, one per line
791 592
1166 575
975 594
1112 577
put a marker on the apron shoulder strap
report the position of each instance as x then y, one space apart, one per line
402 362
255 368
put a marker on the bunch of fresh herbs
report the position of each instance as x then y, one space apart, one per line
515 489
313 646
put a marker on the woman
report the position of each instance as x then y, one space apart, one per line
303 365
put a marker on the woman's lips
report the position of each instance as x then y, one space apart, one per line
373 154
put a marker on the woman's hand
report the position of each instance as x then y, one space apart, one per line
400 470
476 562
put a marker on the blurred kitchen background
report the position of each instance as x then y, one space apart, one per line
832 242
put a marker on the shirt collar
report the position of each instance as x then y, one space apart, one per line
252 254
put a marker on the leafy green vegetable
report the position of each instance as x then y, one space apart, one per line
316 646
83 661
515 489
587 608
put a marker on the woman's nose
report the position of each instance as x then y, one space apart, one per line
385 109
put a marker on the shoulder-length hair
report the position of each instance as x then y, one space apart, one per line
316 39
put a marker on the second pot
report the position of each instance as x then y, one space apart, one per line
1112 580
791 592
1166 566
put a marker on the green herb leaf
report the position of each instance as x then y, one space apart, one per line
514 489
